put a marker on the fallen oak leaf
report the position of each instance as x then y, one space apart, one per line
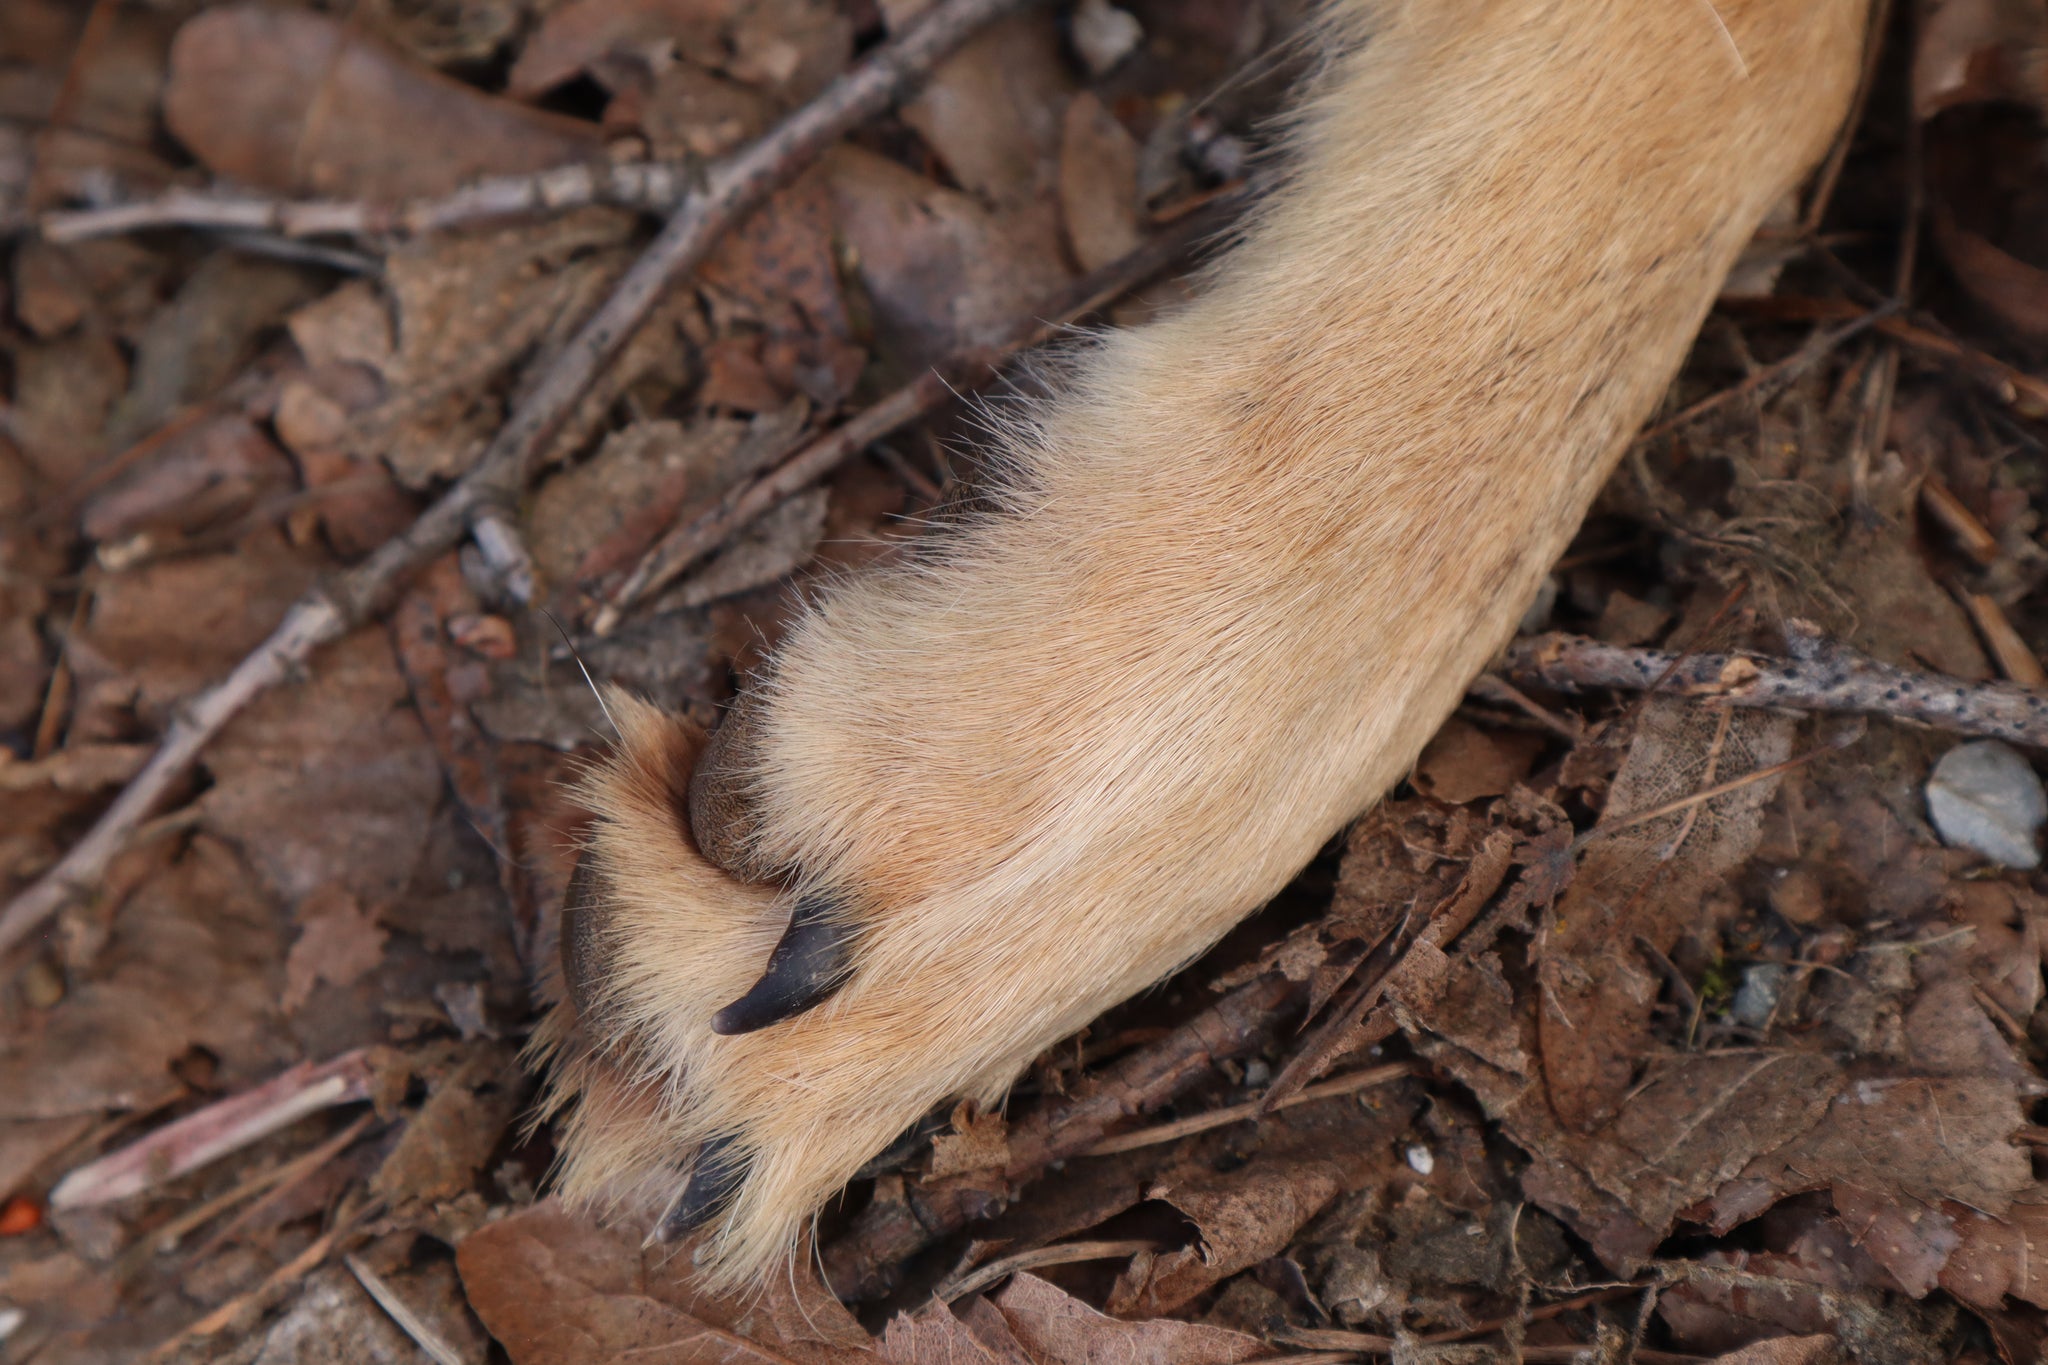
294 101
577 35
339 941
555 1289
1056 1328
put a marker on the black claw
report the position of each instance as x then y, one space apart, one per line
808 965
583 950
716 1174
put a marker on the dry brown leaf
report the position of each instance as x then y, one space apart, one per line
1098 181
557 1290
940 269
195 343
24 667
790 48
778 272
1974 51
1057 1329
1998 1256
644 472
298 103
446 1144
978 1142
1645 881
1465 763
1811 1350
778 544
199 478
332 784
38 797
577 35
1899 1147
934 1336
694 112
333 1321
92 104
1245 1214
1626 620
64 391
338 942
160 632
1240 1219
992 111
468 306
193 959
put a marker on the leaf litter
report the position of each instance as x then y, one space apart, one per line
1633 1022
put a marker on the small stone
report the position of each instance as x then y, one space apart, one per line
1756 999
42 985
1104 35
1985 797
1420 1159
1797 896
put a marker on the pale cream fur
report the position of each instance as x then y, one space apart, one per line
1249 562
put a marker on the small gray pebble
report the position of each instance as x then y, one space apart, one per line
1756 999
1984 796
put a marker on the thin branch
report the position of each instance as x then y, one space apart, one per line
1250 1109
221 1128
1815 349
1820 676
968 368
862 1264
731 190
953 1289
649 186
2027 393
437 1347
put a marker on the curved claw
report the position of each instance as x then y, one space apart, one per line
584 959
715 1175
809 963
721 818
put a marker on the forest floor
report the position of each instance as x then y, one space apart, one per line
1644 1022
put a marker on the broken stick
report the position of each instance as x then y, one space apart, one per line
1820 675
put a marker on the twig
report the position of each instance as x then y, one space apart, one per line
1815 349
2015 659
348 1226
213 1132
965 369
861 1264
165 1239
649 186
504 555
1063 1253
291 1178
2012 385
730 191
437 1347
1824 182
1250 1109
1821 676
1689 805
1366 1341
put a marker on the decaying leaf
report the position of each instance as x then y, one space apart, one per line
296 102
555 1289
332 786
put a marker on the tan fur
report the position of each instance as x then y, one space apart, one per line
1250 561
